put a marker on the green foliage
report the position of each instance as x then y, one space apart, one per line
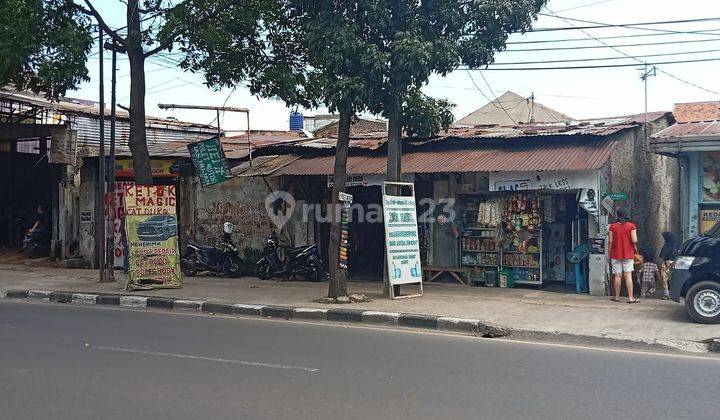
424 116
43 45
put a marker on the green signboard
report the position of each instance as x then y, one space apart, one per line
209 161
616 196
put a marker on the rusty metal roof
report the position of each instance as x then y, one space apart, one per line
565 156
263 165
688 129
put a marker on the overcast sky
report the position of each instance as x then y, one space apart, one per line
579 93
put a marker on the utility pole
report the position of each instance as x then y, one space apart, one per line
111 204
217 109
100 196
644 77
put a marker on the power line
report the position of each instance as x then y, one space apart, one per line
585 5
606 58
706 32
586 47
646 64
497 104
598 66
597 25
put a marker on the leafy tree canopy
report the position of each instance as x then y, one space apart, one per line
44 45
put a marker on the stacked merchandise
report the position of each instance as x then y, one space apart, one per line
522 254
344 236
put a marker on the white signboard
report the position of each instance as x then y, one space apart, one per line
402 243
365 180
525 181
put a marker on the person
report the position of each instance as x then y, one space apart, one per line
622 238
667 256
40 221
648 275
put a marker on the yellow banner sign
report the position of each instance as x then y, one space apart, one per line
152 238
708 218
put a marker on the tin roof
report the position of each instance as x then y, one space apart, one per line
699 128
557 156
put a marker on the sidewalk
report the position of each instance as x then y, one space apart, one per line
522 312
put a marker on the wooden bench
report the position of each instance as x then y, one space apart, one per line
431 273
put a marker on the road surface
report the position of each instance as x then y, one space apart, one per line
69 362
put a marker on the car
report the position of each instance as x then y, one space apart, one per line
695 277
157 228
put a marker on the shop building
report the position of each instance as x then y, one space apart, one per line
694 141
501 200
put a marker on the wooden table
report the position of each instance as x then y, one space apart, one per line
433 272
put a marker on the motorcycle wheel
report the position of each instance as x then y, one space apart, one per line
231 267
188 268
263 271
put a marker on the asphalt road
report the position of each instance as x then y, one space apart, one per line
66 362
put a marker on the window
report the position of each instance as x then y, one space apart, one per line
711 177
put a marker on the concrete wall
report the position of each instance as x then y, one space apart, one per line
240 201
652 182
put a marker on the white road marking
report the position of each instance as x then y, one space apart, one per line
205 358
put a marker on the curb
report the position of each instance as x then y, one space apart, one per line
376 318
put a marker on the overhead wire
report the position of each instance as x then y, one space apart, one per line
590 47
641 61
706 32
598 25
606 58
598 66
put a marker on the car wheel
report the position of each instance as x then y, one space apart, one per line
703 302
263 271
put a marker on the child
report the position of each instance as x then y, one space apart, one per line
648 275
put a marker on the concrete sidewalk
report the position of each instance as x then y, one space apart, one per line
523 312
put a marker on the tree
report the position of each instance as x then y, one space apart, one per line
43 46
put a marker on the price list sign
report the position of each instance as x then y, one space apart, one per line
209 161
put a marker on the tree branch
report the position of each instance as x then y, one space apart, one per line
91 11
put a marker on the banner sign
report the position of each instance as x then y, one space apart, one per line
118 207
152 237
402 244
63 147
708 218
524 181
346 200
209 160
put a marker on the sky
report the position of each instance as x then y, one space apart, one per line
580 93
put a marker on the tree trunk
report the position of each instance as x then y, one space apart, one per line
394 172
338 276
138 138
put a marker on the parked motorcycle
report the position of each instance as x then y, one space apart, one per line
304 261
36 244
223 259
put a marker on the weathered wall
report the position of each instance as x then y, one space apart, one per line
240 201
87 204
652 183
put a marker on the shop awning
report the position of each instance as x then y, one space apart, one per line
575 156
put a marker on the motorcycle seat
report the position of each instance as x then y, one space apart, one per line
201 247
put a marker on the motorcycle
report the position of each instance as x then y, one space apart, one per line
36 244
223 259
302 261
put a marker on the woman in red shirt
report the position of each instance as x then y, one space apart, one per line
623 243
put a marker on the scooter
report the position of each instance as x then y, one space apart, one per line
35 244
223 259
304 261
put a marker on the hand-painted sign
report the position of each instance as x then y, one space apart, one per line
152 237
402 244
708 219
209 161
523 181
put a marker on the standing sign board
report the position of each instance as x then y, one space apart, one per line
152 238
209 161
402 244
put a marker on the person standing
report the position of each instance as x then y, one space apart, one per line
622 238
667 256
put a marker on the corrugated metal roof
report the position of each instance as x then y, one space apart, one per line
567 156
263 165
687 129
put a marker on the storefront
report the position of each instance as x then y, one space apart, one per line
529 228
695 142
